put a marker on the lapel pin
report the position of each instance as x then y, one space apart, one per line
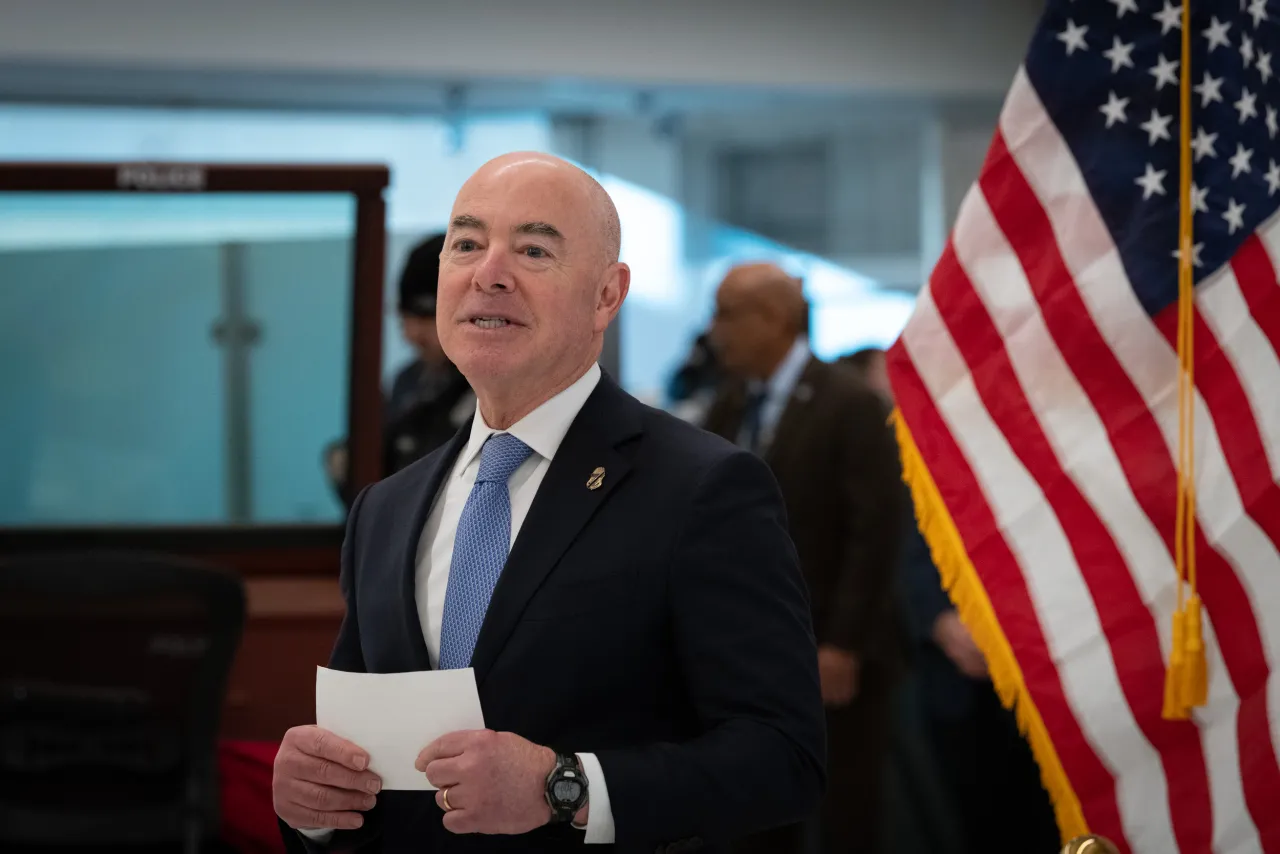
597 478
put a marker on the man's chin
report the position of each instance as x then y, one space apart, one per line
491 365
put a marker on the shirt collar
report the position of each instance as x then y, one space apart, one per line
787 374
544 428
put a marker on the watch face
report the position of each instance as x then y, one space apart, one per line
566 791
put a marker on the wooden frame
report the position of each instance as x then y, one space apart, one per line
265 549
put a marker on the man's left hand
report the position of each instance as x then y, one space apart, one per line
838 670
496 781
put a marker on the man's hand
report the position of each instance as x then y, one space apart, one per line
954 639
321 781
838 670
496 781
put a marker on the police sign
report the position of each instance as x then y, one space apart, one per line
154 178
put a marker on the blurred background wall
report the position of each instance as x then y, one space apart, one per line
836 137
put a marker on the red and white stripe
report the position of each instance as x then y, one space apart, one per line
1044 402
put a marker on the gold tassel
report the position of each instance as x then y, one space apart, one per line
1195 683
1175 709
1186 680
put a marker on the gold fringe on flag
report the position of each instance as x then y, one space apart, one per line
970 597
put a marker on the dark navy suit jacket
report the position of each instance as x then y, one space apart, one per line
948 694
659 621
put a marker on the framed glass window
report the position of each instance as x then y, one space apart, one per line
181 345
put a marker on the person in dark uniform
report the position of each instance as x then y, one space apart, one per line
429 399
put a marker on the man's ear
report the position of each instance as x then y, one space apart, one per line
613 292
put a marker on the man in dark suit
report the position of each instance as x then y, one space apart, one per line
621 582
824 436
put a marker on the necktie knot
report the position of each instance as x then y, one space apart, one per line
501 456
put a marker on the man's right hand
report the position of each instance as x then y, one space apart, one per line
321 781
955 640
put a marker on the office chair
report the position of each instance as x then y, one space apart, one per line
112 674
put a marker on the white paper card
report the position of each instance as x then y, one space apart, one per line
394 715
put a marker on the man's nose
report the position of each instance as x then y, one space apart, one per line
494 273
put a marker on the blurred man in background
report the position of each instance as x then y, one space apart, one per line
986 766
824 436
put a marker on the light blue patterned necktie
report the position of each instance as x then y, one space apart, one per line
479 549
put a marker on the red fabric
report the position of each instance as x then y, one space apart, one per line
248 817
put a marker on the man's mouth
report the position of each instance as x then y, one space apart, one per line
490 322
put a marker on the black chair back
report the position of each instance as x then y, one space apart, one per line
113 669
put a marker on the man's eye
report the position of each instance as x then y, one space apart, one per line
464 245
535 252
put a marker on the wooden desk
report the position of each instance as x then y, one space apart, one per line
291 624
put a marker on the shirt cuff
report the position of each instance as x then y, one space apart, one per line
318 834
600 829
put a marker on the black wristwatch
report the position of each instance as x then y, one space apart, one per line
566 788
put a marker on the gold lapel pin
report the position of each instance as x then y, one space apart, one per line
597 478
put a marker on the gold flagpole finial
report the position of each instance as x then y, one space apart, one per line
1090 845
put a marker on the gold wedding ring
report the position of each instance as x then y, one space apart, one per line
444 799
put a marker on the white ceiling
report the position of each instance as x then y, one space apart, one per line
405 52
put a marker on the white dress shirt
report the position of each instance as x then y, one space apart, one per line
778 390
543 430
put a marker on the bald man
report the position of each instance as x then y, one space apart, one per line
824 435
621 582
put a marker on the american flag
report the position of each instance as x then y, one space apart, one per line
1037 391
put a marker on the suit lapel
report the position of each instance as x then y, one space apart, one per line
794 414
432 480
563 506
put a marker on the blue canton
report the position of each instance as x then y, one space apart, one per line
1108 74
479 549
